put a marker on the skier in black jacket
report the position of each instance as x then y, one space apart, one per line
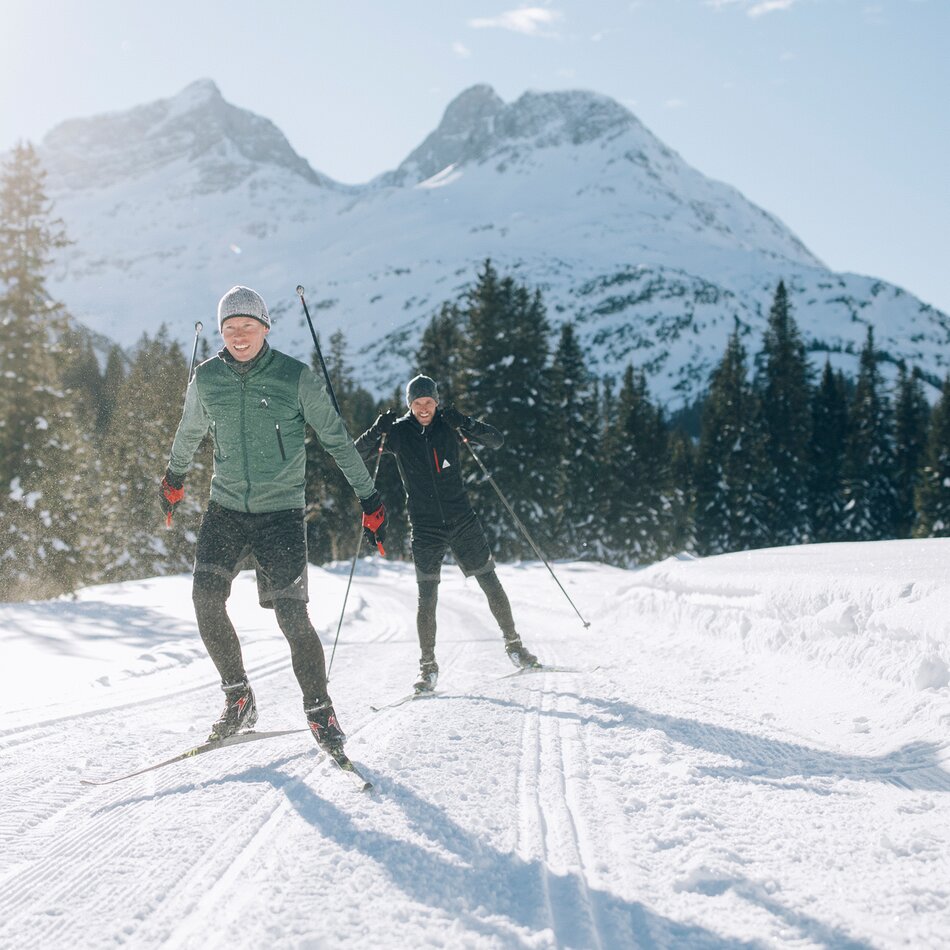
425 442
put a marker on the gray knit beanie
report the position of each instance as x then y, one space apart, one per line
243 302
419 387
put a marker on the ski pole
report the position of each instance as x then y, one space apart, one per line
316 343
359 544
199 326
522 528
326 376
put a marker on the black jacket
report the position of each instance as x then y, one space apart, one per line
429 464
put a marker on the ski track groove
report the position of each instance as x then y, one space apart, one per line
562 799
545 810
121 842
44 795
212 886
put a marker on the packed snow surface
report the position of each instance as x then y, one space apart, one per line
747 750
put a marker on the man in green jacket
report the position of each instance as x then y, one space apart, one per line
255 402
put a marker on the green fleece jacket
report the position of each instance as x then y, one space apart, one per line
257 419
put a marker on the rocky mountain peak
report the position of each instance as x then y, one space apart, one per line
217 144
478 123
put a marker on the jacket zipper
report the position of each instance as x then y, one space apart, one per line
280 442
247 466
433 469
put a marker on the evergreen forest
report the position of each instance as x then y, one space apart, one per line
776 453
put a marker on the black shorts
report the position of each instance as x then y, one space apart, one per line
275 540
466 540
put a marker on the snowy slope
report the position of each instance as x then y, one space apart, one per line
752 752
171 203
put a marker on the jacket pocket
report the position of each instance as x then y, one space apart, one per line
280 442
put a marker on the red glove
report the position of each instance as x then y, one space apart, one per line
374 520
170 494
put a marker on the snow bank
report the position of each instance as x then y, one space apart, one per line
879 609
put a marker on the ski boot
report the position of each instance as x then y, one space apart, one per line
239 713
325 728
521 657
428 677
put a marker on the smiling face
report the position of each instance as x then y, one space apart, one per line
243 337
423 409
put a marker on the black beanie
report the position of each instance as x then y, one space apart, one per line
419 387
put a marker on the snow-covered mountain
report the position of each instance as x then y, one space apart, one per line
171 203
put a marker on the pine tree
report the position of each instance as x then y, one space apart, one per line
869 472
332 512
784 389
575 489
933 489
43 456
79 372
830 432
682 492
112 381
133 540
30 320
729 505
506 382
441 354
911 416
637 486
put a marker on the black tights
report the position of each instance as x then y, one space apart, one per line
210 594
429 597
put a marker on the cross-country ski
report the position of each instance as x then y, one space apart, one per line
211 746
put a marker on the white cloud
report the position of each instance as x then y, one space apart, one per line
675 104
753 9
461 50
528 20
770 6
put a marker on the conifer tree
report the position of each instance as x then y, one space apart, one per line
575 482
911 415
682 492
32 323
79 372
639 525
933 489
42 452
441 354
332 512
729 505
869 472
136 445
112 379
784 389
505 381
829 437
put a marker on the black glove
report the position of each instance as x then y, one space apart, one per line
170 494
384 423
454 418
374 520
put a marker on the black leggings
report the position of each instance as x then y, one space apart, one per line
210 594
429 597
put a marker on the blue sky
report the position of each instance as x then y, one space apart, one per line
830 114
